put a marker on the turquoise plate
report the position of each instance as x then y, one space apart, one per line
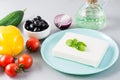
75 68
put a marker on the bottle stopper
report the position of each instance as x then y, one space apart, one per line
92 1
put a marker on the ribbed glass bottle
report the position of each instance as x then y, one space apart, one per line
91 16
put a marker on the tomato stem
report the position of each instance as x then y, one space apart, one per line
21 68
17 70
15 58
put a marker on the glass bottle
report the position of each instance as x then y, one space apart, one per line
91 16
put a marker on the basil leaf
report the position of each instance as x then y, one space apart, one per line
81 46
69 42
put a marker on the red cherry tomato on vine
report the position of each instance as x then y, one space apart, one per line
33 44
6 59
11 69
25 60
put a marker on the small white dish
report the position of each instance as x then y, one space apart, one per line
40 35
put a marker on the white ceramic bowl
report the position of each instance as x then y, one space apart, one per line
40 35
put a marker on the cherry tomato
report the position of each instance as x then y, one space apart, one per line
6 59
25 60
33 44
11 69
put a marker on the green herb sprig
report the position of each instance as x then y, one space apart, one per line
81 46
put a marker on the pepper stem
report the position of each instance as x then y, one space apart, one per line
24 9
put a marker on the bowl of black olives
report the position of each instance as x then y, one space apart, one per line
38 28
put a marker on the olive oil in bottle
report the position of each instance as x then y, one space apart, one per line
91 16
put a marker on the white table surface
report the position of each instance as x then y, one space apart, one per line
48 9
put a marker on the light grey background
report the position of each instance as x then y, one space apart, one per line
48 9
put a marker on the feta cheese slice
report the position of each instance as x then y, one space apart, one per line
96 49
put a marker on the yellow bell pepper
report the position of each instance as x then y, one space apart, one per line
11 40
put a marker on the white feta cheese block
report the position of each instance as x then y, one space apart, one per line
92 56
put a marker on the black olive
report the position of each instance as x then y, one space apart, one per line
41 29
31 27
39 18
28 21
38 29
26 24
38 23
45 27
27 27
35 19
35 29
43 24
34 23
